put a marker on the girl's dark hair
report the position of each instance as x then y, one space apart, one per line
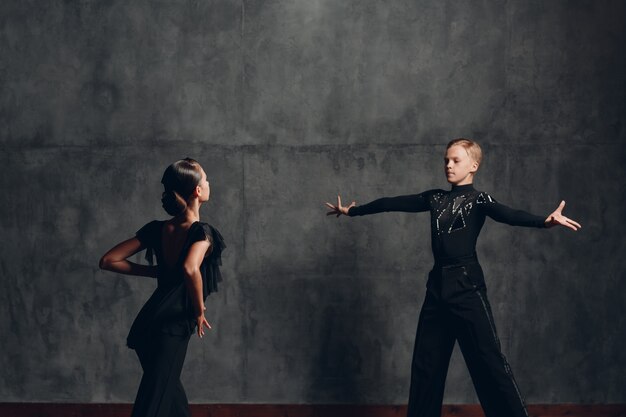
179 180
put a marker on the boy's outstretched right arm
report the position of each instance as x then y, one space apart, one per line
406 203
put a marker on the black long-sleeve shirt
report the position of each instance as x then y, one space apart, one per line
456 216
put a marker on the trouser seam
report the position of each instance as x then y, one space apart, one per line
507 367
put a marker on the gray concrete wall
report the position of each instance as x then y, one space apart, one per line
287 103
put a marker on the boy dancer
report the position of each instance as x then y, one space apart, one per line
456 305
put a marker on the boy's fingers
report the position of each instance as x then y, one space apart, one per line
570 221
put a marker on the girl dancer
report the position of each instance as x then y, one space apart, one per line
187 271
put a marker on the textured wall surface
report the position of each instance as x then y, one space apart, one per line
286 103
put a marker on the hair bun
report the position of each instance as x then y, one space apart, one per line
173 203
180 179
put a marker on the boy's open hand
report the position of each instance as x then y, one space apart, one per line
557 218
338 210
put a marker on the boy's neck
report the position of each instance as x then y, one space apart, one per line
462 187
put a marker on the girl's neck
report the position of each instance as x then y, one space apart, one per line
190 215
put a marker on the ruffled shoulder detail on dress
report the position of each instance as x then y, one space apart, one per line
211 274
150 235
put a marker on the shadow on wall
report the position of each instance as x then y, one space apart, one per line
346 351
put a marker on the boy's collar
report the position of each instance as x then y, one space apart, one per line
462 188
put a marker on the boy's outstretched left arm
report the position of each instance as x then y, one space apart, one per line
556 218
503 214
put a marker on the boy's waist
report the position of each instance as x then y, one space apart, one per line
443 262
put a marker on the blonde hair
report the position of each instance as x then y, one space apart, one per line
472 148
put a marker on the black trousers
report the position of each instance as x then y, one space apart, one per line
456 309
161 394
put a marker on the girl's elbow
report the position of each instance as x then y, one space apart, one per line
190 271
105 263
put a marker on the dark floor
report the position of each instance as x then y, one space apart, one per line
300 410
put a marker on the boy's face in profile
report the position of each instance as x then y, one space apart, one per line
459 166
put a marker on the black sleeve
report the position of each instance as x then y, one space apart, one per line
201 231
150 237
210 269
205 231
146 234
413 203
503 214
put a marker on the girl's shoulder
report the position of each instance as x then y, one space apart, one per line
206 231
150 232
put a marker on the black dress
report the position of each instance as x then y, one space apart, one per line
161 330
